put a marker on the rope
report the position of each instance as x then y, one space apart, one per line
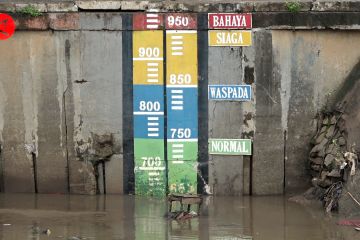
353 198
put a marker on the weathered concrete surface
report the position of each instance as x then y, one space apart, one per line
15 133
268 162
312 67
114 175
51 157
59 89
183 5
268 20
249 109
225 121
98 95
63 91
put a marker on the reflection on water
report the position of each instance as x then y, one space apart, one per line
128 217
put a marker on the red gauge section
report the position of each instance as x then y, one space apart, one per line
7 26
180 21
148 21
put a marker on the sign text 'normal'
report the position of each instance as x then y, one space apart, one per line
230 146
230 92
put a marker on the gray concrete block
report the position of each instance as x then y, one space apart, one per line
15 132
225 121
226 175
98 5
100 21
114 175
51 160
62 7
268 156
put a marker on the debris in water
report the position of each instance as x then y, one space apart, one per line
331 197
6 224
185 199
349 222
182 215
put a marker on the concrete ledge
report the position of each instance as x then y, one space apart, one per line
112 21
182 6
98 5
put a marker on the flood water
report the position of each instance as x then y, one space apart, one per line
128 217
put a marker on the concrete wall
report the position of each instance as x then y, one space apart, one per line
62 103
62 97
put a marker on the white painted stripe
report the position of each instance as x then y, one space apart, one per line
153 64
183 140
177 42
177 162
176 91
180 31
153 129
181 86
177 54
178 150
152 26
152 15
153 118
177 48
152 69
153 174
150 80
177 96
153 135
177 37
177 102
152 168
152 75
153 124
177 145
148 113
177 108
147 59
152 20
178 156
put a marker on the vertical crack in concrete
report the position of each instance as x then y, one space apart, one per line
285 158
68 78
33 158
100 166
66 140
104 176
1 170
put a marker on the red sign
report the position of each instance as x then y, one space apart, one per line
230 20
147 21
7 26
180 21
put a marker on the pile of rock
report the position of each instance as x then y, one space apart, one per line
327 160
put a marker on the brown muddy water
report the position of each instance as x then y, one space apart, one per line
128 217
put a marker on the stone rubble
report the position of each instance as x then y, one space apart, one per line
326 158
332 160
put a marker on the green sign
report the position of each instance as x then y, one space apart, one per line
230 146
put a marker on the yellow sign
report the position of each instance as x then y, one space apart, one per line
181 58
229 38
148 57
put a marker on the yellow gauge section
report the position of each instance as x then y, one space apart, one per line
231 38
181 57
148 57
